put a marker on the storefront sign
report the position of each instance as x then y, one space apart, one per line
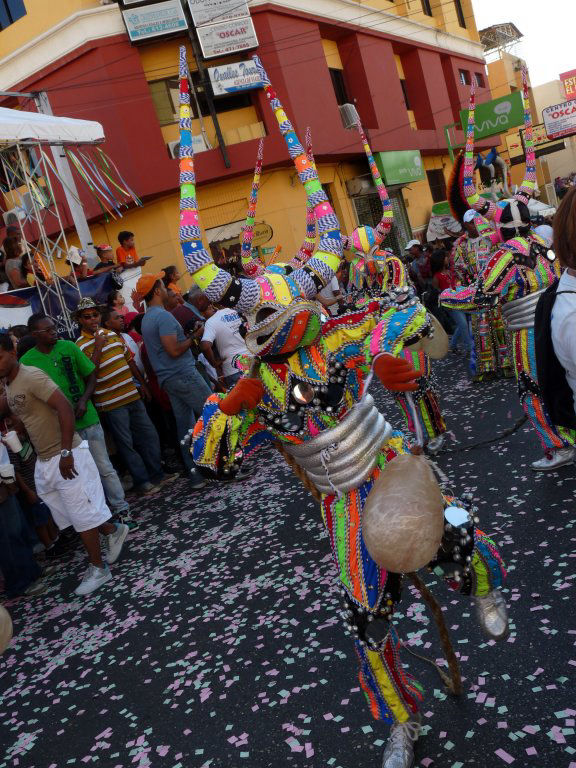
226 38
400 167
560 119
496 116
569 81
240 76
214 11
154 20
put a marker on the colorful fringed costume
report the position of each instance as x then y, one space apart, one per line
312 401
373 272
517 272
491 346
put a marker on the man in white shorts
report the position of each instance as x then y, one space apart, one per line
66 476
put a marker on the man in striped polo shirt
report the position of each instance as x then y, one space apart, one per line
118 400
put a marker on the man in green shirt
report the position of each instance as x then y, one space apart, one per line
74 373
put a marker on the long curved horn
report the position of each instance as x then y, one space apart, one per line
252 267
485 207
385 224
528 186
322 266
307 247
214 282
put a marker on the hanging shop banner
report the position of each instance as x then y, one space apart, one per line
569 82
156 20
560 119
240 76
400 167
228 37
215 11
496 116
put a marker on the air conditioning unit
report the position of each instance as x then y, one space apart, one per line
198 144
349 116
360 185
13 216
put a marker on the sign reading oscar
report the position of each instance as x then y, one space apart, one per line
560 119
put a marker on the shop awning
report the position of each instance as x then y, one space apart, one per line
225 232
19 127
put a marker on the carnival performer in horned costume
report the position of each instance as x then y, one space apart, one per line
306 391
253 267
470 254
515 276
374 272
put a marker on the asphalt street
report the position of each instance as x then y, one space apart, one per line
220 643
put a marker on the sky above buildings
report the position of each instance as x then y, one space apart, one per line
548 29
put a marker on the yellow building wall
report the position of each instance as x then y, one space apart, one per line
281 205
41 15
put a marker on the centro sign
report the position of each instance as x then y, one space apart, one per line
496 116
560 119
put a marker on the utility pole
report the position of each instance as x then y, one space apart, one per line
68 183
206 84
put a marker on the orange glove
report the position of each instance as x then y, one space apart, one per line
246 393
396 373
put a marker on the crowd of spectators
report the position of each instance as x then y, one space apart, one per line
91 424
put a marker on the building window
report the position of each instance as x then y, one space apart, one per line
464 76
480 82
11 11
165 96
426 7
405 94
437 184
460 13
337 76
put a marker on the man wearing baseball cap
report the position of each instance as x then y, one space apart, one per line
106 255
419 265
168 349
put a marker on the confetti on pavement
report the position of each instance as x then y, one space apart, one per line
219 643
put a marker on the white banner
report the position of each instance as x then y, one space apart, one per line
560 119
215 11
154 20
229 37
230 78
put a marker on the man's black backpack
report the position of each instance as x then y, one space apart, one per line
554 388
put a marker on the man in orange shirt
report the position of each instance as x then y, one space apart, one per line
126 252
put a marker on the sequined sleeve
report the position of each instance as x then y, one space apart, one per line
220 440
494 281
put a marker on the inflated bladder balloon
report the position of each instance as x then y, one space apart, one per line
5 629
403 518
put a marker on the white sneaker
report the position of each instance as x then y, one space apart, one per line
399 752
492 614
116 541
434 446
558 459
93 578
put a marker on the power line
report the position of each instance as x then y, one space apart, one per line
274 43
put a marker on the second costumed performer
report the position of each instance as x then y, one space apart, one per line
307 392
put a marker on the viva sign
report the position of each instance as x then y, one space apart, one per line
496 116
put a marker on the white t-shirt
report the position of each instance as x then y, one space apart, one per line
329 292
564 328
222 329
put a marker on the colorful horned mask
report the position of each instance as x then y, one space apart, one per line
279 310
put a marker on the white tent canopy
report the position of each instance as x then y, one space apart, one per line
17 126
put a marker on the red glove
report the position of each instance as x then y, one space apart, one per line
396 373
246 393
